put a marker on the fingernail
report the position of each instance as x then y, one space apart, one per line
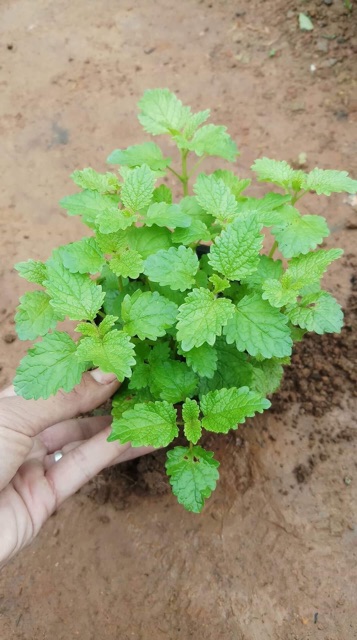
101 377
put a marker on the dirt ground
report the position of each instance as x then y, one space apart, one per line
273 556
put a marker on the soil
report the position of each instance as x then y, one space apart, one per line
273 555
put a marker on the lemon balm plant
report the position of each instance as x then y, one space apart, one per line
177 298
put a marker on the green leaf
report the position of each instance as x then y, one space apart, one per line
258 328
213 140
147 314
89 204
94 181
305 23
269 210
151 424
233 369
72 294
267 268
193 475
234 184
146 240
201 318
219 284
128 264
112 242
191 208
50 365
267 375
196 232
302 271
113 220
83 256
35 316
113 353
215 197
192 425
167 215
162 194
235 253
162 112
194 121
172 381
138 188
147 153
224 409
141 376
174 267
32 270
178 297
276 171
318 312
327 181
203 360
300 234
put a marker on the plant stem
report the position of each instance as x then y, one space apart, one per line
273 249
195 166
120 283
175 173
185 176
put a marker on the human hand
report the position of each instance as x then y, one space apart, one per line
32 484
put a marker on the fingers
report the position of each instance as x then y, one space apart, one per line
32 416
63 433
84 462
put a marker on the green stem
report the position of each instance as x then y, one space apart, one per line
175 173
185 176
195 166
120 283
273 249
297 197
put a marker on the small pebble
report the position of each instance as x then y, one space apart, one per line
9 338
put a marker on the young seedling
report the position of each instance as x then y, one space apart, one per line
178 299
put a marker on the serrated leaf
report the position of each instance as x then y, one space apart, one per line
191 208
50 365
192 425
113 353
327 181
172 381
267 375
234 184
269 210
90 179
106 324
159 353
89 205
193 475
276 171
151 424
203 360
224 409
258 328
32 270
162 194
194 121
219 284
87 329
280 293
215 197
233 369
146 240
235 253
72 294
300 234
174 267
196 232
140 377
113 221
162 112
213 140
167 215
83 256
138 188
305 23
147 153
112 242
128 264
318 312
35 316
201 318
267 268
147 314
